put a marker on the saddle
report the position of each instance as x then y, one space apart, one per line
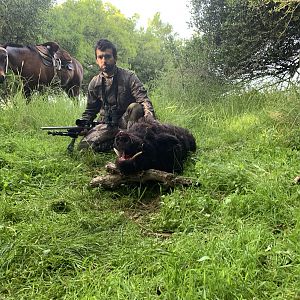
47 59
58 57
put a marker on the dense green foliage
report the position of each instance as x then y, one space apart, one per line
234 236
153 50
23 21
248 39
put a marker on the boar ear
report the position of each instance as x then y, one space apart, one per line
149 134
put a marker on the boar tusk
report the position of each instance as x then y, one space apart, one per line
137 154
117 152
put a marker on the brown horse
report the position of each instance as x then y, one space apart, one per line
40 65
3 63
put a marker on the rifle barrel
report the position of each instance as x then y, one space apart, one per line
62 128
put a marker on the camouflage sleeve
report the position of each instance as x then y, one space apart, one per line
139 93
93 105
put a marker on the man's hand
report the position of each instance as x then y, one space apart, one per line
149 117
83 123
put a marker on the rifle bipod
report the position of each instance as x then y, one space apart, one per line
71 146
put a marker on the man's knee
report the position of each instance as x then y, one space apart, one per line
96 145
99 139
135 111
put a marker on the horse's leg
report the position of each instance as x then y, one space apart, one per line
27 93
4 93
73 92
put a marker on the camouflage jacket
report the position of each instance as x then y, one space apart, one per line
126 90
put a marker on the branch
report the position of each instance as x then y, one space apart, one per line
115 178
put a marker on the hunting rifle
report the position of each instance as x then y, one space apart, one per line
71 131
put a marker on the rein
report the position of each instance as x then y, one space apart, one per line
6 66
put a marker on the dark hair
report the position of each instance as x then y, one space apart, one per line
104 44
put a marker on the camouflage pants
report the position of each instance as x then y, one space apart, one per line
101 137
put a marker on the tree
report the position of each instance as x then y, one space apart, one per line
153 55
250 38
22 21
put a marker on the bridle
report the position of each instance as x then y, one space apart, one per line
6 63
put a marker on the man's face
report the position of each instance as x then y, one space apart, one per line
105 60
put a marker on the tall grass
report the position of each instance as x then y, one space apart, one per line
233 236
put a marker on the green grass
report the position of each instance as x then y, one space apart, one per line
233 236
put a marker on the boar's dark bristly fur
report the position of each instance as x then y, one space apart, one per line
152 145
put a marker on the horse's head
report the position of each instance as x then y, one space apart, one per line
3 63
